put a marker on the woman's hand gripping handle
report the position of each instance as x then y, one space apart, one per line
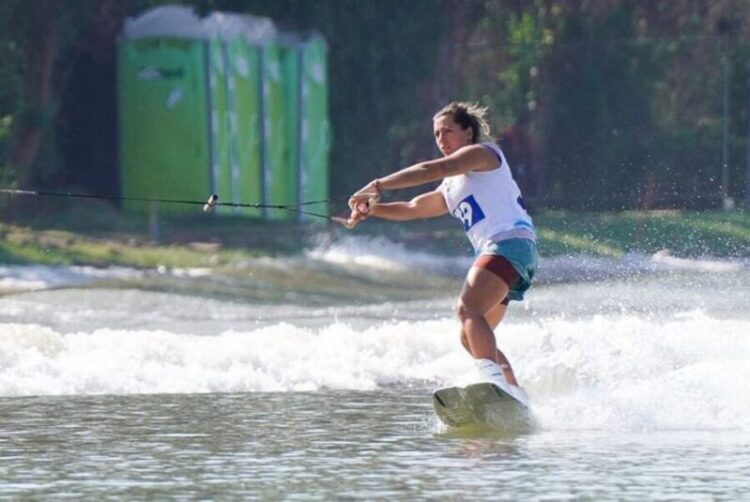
361 204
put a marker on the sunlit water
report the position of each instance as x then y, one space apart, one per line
247 384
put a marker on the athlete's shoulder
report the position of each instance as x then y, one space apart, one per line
493 148
478 156
477 147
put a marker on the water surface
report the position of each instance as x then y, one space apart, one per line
243 383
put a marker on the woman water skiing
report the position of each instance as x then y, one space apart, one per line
477 188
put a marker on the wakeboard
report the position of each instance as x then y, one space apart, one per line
481 404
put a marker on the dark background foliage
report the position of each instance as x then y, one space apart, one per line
601 105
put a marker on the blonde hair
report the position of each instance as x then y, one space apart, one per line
467 115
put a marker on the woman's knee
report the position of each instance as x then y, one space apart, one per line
465 341
465 312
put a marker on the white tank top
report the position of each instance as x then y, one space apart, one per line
488 203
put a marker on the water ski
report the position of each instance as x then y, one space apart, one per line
481 404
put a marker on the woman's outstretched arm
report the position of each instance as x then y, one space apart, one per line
426 205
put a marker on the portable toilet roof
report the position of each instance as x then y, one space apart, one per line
179 21
229 26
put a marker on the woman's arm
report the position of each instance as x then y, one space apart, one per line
468 158
426 205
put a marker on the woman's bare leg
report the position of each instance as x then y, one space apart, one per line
492 317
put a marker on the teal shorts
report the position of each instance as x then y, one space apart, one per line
523 255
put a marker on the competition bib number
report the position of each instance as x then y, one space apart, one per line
469 212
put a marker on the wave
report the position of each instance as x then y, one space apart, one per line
606 372
380 253
36 277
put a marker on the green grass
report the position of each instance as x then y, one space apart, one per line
96 234
614 234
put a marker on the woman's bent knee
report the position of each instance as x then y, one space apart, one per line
464 312
465 341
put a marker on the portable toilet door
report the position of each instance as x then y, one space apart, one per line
274 139
223 159
244 66
163 121
290 61
313 175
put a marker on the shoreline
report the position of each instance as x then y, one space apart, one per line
341 274
98 235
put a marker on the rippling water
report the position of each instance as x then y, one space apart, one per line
245 384
374 445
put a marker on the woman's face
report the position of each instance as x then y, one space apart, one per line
449 136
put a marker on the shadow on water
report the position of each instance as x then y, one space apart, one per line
495 430
482 431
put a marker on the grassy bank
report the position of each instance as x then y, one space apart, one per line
714 233
96 234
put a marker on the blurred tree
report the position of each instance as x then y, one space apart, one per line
36 41
31 38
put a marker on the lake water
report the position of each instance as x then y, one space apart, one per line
309 378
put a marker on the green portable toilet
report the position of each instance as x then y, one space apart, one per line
244 66
189 93
221 139
234 84
315 131
274 172
290 69
163 110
